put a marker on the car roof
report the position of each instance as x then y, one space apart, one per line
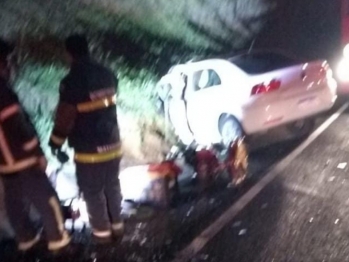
198 64
233 55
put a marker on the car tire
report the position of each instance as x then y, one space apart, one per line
301 128
230 129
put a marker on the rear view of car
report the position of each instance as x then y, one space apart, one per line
219 100
284 90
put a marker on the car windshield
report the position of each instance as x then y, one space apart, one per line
262 62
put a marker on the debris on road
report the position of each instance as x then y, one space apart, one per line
311 220
237 224
336 222
143 241
212 201
190 211
242 232
265 205
203 257
331 179
93 257
230 185
342 165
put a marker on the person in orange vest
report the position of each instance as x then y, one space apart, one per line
86 116
22 169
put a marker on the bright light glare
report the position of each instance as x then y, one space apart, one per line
329 74
346 51
343 70
134 181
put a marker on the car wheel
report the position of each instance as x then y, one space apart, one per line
301 128
230 130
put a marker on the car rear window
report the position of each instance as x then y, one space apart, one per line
262 63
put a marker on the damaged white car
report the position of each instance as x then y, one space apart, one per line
217 100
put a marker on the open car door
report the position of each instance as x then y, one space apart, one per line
171 90
203 89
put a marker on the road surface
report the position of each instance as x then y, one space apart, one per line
299 215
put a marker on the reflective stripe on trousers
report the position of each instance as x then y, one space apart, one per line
98 157
91 106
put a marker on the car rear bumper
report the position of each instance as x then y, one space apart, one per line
262 117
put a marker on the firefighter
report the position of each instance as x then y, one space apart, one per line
22 169
86 116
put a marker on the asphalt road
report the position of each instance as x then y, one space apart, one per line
300 216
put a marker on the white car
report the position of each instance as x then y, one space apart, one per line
216 100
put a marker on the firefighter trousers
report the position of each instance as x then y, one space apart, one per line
99 183
32 186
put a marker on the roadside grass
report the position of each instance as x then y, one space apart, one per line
139 44
37 86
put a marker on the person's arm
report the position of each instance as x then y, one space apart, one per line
64 120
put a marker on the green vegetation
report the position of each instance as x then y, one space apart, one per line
37 86
138 40
148 28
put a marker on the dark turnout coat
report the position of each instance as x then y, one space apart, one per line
19 144
86 113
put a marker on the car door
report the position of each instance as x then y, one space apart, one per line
202 89
174 103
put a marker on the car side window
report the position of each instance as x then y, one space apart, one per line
205 79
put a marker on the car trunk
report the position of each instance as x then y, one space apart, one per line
294 80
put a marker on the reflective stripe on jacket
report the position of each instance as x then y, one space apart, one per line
19 144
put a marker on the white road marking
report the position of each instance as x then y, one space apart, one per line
200 241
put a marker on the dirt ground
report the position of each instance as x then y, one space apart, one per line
141 143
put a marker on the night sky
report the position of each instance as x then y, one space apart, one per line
307 28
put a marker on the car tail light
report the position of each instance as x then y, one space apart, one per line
263 88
